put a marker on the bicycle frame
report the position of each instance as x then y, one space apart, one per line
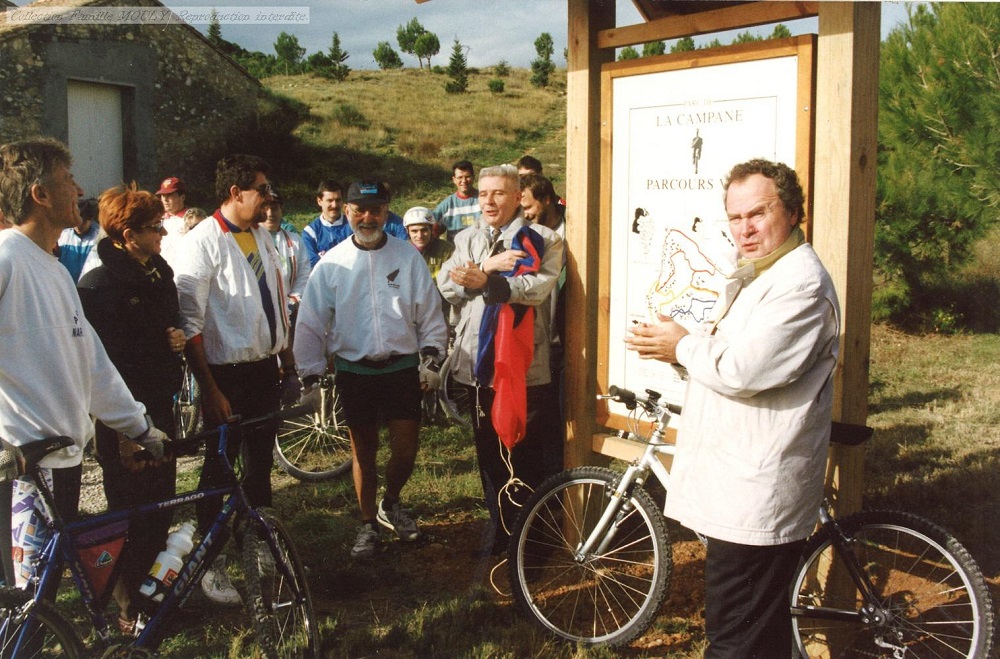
61 549
635 474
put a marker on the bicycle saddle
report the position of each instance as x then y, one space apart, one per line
33 452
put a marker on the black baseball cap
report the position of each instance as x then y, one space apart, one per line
368 191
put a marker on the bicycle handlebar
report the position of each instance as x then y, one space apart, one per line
650 402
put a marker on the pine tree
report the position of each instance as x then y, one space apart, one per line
938 174
407 35
337 69
289 52
683 45
627 53
214 29
386 57
542 67
426 47
653 48
458 71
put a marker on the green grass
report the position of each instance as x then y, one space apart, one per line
402 126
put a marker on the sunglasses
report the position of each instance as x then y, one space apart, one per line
264 190
158 227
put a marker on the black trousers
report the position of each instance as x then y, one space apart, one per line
747 613
253 390
531 459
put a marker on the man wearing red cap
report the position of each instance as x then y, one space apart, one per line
172 194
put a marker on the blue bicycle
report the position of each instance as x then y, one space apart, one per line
273 579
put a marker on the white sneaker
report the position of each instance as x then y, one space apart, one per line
396 519
217 586
365 543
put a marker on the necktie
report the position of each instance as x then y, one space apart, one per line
494 237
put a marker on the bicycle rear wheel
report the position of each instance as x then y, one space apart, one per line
932 598
278 598
37 630
606 598
317 446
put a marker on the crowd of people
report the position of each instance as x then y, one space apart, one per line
103 301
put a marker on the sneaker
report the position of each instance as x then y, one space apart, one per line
366 542
217 586
396 519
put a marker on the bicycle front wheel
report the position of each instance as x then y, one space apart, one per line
453 396
317 446
603 598
932 600
34 629
278 598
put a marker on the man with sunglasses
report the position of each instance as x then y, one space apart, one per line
233 312
372 306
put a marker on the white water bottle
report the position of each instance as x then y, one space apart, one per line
169 562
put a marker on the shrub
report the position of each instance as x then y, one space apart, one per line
349 116
502 69
496 85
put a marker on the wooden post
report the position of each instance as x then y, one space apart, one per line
844 210
583 162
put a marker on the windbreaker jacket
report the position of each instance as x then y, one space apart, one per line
368 304
752 441
295 266
473 244
220 298
54 371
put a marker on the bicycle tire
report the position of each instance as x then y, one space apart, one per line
278 599
607 599
453 396
187 407
55 636
317 446
933 599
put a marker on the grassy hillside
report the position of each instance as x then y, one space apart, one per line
402 126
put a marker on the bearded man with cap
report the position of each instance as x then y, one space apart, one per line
372 306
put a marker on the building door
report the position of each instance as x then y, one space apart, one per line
95 135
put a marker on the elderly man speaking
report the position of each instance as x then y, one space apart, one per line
752 443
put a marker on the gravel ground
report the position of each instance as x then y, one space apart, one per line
92 493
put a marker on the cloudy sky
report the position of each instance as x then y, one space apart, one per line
490 30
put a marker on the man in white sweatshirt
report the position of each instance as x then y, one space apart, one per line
54 372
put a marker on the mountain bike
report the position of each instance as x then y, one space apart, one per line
590 562
316 446
272 578
452 397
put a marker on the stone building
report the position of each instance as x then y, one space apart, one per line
133 101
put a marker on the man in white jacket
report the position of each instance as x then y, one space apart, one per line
54 372
752 441
371 305
233 311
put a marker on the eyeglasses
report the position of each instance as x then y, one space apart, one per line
158 227
264 190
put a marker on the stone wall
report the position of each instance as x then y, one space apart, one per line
186 103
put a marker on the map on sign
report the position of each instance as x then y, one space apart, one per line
686 289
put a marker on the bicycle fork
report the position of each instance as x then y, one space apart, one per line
619 506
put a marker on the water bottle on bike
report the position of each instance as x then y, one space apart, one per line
169 562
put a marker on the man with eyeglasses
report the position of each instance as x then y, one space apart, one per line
752 442
372 306
233 312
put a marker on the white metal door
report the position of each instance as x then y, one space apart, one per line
95 135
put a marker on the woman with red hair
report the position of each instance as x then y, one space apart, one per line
131 301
